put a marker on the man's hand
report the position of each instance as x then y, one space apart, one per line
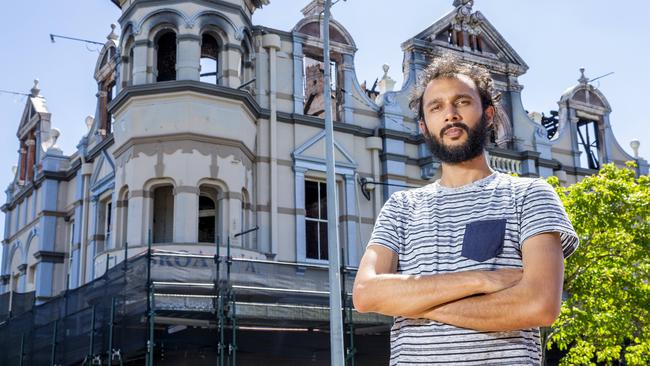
532 302
377 288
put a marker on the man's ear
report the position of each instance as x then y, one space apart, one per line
422 126
489 114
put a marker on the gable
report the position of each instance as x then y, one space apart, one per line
102 172
470 33
35 109
314 151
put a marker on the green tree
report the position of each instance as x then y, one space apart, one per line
606 317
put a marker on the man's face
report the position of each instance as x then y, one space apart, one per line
455 126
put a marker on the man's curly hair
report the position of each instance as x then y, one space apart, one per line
449 66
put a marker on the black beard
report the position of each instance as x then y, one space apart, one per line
473 146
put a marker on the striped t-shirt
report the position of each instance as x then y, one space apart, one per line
479 226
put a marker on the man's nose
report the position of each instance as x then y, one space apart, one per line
451 114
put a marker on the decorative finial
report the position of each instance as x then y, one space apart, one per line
35 89
386 68
315 7
54 135
386 83
583 79
112 36
89 122
634 144
459 3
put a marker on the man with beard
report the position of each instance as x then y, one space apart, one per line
471 265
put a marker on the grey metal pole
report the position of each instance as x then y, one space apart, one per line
53 354
337 356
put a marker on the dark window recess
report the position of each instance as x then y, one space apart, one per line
166 47
163 214
109 210
314 78
588 143
209 53
551 124
207 220
316 220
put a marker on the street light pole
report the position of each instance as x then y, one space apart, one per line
337 357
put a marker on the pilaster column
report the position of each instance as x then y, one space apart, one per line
139 61
189 56
140 218
102 94
350 224
23 162
348 73
186 214
92 241
374 144
299 184
298 92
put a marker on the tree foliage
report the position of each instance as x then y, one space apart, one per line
606 317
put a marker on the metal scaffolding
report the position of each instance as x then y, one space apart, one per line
136 309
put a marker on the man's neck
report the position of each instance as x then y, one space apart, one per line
458 175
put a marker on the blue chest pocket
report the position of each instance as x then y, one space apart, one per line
483 239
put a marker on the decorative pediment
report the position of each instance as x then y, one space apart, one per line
313 150
467 31
103 171
35 110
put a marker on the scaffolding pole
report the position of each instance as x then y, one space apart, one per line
22 348
219 311
110 332
53 354
91 346
347 301
150 311
234 330
126 254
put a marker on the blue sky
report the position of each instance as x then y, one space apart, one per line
554 37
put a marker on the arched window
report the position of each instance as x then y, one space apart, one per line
207 219
128 71
245 220
166 57
209 61
208 227
163 214
588 143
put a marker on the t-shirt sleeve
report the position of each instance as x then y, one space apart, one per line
388 229
542 212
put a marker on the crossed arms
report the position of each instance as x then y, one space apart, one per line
501 300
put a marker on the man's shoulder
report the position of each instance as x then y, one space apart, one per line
413 195
516 183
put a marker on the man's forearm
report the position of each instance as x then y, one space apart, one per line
406 295
509 309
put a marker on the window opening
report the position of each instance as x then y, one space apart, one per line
551 124
166 61
163 214
588 143
313 79
207 219
316 220
107 224
209 66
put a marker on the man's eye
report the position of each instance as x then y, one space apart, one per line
463 102
435 108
